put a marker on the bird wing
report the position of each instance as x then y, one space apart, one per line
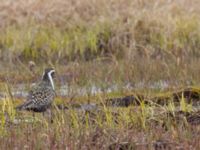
41 96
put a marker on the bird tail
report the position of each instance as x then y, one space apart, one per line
24 106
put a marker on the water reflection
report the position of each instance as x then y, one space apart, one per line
21 91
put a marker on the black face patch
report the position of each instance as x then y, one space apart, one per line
53 74
46 72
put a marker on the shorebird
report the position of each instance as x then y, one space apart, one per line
40 97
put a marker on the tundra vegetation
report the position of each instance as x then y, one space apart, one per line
127 73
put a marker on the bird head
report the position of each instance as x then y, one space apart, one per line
48 75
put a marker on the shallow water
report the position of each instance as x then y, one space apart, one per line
21 90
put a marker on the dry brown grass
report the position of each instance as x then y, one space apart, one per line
59 12
91 28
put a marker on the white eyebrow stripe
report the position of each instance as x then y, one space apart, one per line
50 78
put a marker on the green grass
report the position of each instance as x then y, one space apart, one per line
38 42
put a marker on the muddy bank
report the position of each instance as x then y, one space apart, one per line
190 95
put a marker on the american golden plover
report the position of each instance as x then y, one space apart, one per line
42 95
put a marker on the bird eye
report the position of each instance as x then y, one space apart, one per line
53 74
